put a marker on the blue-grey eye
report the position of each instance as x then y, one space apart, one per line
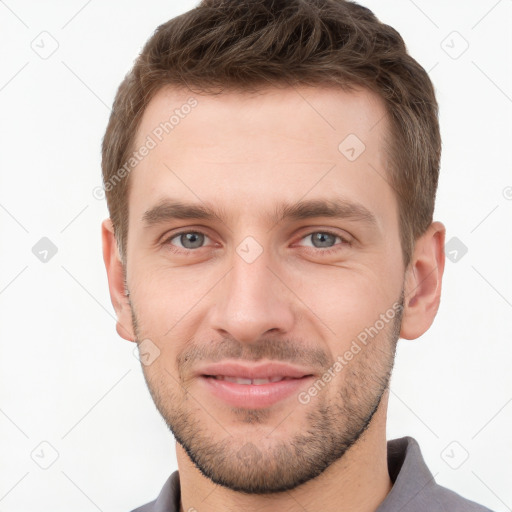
322 239
191 240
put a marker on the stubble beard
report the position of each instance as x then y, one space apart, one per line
270 465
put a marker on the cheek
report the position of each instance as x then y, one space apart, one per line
171 302
165 297
347 301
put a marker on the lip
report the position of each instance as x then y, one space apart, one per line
264 370
253 396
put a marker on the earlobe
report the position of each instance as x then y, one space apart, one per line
116 284
423 282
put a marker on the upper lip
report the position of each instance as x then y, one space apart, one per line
264 370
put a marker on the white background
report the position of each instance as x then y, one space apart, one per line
68 380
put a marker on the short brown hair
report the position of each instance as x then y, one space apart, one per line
243 45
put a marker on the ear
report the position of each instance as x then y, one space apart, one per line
423 282
116 287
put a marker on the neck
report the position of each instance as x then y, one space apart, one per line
359 481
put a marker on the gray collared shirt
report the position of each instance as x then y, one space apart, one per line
414 488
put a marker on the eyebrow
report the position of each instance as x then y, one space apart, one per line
169 209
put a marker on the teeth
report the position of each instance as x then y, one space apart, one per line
261 381
257 382
237 380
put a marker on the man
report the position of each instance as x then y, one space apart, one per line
270 170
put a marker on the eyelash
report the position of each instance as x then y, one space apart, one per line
325 251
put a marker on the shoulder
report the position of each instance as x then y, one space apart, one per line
148 507
169 498
449 501
414 487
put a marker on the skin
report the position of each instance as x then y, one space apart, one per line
245 154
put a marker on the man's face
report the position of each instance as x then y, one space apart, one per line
262 281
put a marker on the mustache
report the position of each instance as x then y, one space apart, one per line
289 351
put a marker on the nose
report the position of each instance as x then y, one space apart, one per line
252 301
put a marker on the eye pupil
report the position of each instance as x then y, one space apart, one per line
192 240
324 239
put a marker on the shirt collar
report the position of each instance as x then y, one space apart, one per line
412 480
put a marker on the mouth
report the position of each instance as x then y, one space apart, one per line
272 371
245 381
253 386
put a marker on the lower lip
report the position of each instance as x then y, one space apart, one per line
254 396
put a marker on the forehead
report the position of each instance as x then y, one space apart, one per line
253 149
297 111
